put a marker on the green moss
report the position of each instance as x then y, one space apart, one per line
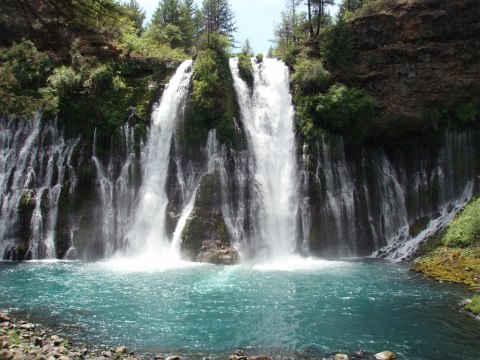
192 234
27 201
454 265
455 254
474 306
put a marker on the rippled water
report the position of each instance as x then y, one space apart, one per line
312 307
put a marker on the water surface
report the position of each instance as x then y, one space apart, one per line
308 307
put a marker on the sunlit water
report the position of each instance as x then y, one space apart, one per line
306 307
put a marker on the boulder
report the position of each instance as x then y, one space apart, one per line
57 340
205 237
121 350
385 355
174 357
341 357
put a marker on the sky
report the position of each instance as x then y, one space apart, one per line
254 19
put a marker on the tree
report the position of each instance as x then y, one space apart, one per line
350 6
247 49
290 31
218 17
167 12
320 15
174 23
188 26
136 14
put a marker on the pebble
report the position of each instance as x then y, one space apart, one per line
341 357
121 350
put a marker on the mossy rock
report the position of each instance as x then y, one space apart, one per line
205 237
28 201
418 226
474 305
460 266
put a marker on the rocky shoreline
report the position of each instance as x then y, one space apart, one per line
21 340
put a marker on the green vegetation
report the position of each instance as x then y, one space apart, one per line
455 255
95 65
245 67
212 104
474 306
464 231
338 47
370 7
321 56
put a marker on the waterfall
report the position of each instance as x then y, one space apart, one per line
367 201
267 115
116 191
34 158
148 235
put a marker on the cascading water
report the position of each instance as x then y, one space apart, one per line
359 202
148 235
116 192
34 158
267 115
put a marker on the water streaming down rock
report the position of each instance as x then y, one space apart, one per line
362 201
148 234
267 114
116 185
338 201
34 159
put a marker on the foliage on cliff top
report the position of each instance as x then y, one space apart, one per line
245 68
212 104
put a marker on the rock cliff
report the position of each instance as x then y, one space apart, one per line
419 54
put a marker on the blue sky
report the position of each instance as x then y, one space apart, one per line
254 19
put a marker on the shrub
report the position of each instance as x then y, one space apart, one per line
465 229
346 111
205 79
245 69
338 50
23 71
259 58
310 77
466 113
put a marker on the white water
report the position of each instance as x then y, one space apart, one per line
33 159
267 115
148 237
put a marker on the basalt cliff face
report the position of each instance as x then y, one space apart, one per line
419 54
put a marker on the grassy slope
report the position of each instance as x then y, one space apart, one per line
455 256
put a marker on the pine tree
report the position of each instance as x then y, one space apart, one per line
218 17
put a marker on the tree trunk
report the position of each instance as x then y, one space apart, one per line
310 25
